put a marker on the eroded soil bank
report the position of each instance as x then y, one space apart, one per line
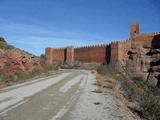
111 82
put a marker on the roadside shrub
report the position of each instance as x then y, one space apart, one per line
111 68
22 76
131 91
151 105
136 90
7 77
35 72
102 69
52 67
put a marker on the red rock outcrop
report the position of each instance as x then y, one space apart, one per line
16 60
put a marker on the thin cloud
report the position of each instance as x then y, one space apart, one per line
35 39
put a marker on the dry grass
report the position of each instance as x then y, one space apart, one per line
8 79
136 90
105 81
138 95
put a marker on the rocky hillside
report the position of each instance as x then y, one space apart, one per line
145 62
15 60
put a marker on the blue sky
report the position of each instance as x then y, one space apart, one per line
33 25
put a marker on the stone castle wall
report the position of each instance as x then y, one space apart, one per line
92 54
115 51
147 40
89 54
55 56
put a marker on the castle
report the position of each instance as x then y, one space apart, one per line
115 51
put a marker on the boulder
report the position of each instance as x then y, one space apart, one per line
152 80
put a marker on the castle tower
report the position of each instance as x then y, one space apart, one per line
48 54
69 54
134 30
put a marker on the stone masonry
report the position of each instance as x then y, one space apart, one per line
115 51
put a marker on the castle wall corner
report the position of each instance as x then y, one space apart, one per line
48 55
69 54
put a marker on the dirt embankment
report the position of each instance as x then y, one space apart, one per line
134 93
111 81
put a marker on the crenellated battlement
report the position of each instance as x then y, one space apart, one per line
92 46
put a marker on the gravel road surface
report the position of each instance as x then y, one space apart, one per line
66 96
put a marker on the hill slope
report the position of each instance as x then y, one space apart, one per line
16 60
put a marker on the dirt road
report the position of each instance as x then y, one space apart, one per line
67 96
